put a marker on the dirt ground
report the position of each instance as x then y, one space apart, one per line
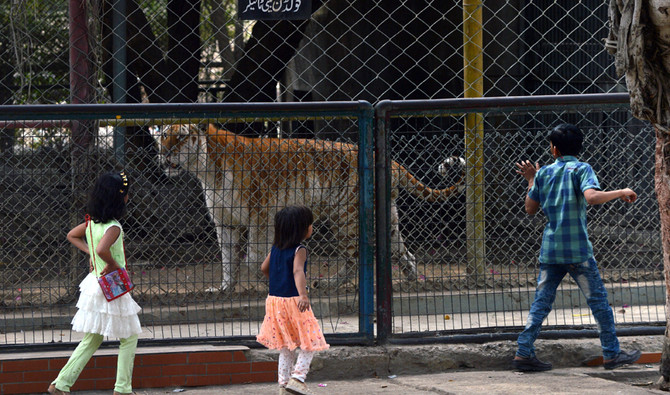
192 283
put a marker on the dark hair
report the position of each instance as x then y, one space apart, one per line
291 225
107 198
567 138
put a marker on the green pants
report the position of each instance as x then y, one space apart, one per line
83 353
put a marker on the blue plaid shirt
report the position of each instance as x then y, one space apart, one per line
559 188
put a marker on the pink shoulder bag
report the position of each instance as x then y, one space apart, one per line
114 284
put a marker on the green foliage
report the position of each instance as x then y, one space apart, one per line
37 33
208 27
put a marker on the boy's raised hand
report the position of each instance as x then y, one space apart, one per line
527 170
628 195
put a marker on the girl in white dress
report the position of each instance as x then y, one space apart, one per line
102 238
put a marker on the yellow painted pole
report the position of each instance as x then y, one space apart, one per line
473 70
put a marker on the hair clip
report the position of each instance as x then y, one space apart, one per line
124 179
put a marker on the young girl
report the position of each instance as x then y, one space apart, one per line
289 322
102 237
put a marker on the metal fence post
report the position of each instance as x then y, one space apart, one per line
473 81
366 219
383 219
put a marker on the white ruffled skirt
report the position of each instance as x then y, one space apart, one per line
116 319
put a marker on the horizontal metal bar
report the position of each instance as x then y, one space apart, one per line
424 338
504 103
334 339
35 124
180 110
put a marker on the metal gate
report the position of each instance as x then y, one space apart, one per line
476 253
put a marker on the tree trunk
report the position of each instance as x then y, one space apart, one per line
184 49
83 130
271 46
229 49
7 136
171 80
662 180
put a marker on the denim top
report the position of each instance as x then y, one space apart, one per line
282 282
559 188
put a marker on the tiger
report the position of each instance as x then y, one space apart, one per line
247 179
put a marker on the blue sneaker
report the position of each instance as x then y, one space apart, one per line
624 358
531 364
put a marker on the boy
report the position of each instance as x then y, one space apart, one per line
562 190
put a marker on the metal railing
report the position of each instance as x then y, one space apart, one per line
429 285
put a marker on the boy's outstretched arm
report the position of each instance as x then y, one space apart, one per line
594 196
528 170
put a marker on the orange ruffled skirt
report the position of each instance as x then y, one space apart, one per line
285 326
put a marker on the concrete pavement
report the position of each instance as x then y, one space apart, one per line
633 380
458 369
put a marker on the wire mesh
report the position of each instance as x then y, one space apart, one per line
198 50
193 248
452 293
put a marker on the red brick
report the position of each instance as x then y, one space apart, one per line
25 365
238 356
98 373
84 385
184 370
13 377
649 357
105 384
24 388
105 361
161 359
264 366
39 377
230 368
195 381
149 382
595 361
57 363
646 357
147 371
176 380
159 382
263 377
200 357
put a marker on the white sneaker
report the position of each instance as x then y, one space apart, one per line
297 387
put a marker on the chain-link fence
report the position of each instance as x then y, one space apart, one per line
194 245
198 50
130 51
457 291
196 234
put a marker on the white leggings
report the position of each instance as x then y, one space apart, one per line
290 366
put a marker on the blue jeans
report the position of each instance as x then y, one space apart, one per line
587 276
